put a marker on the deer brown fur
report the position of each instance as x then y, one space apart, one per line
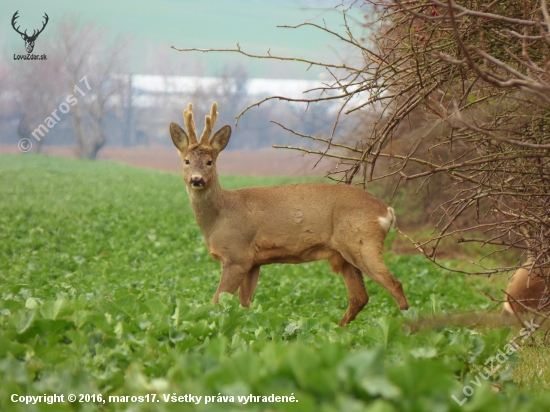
247 228
527 287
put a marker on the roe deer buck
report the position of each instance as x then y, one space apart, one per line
527 286
247 228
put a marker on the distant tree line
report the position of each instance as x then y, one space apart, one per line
84 95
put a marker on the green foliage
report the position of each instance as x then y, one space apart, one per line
106 289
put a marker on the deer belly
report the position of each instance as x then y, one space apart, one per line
294 250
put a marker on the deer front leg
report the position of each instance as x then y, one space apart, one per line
248 285
232 277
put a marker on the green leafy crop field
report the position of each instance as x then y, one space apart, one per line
105 289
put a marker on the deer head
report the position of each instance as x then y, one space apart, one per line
29 40
199 156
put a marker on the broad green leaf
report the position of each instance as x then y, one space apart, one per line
31 303
51 309
27 317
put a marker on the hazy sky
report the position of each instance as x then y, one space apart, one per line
153 26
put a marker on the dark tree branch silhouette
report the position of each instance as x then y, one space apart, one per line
452 94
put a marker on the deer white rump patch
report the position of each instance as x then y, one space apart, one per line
387 221
508 308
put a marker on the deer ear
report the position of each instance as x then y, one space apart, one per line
179 137
221 138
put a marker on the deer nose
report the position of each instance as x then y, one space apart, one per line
197 181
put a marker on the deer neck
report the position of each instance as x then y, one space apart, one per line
207 205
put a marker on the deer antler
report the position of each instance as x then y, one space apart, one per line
13 19
34 33
209 121
214 113
190 124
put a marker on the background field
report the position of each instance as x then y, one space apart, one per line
233 162
105 287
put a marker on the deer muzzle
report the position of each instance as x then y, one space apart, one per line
197 182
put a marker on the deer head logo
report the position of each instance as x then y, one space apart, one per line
29 40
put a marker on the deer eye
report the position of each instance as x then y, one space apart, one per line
186 161
209 163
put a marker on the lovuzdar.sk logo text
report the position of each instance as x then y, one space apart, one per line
29 39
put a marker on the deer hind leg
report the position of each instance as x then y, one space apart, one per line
368 258
357 293
232 277
248 285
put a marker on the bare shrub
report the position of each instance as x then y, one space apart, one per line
456 94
